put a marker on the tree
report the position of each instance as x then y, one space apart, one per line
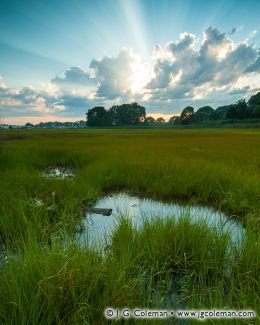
254 100
175 120
256 111
187 114
160 120
96 116
149 120
203 113
238 110
253 105
113 115
220 113
126 114
29 125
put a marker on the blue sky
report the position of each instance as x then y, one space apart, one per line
58 58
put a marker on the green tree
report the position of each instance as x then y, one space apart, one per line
29 125
186 115
128 114
114 115
238 110
256 111
203 113
254 100
253 105
220 113
136 114
149 120
160 120
97 116
175 120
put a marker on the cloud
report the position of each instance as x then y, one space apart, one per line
75 80
3 89
111 77
253 33
27 101
239 91
236 29
181 70
214 72
114 75
255 67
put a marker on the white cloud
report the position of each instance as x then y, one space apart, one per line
76 81
19 102
215 71
180 70
253 33
120 76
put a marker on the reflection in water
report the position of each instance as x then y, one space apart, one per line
98 227
58 172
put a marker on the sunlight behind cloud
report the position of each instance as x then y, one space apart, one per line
141 75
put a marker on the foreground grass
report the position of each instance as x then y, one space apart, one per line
50 284
74 285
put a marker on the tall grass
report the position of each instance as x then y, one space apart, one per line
46 283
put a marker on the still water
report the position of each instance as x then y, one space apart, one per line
59 172
99 227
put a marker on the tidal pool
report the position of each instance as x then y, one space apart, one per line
98 227
59 172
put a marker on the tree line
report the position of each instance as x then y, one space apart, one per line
134 114
126 114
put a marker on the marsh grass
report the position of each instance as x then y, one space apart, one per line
51 283
73 284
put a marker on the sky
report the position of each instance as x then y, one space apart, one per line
59 58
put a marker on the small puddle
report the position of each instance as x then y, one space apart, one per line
59 172
102 218
99 226
3 256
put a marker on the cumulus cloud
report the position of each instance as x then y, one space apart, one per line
27 101
115 75
111 77
213 72
75 80
255 67
181 70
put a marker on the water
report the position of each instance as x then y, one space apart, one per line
99 227
59 172
5 258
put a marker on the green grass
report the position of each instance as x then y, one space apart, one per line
51 284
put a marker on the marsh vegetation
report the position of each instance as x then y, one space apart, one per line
51 276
